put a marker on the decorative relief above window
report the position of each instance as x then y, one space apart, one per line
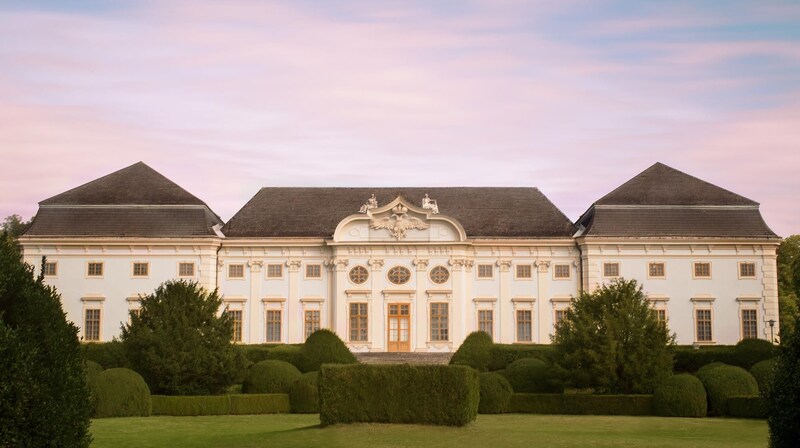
440 275
359 275
399 275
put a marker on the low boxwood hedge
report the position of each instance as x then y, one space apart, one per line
120 392
531 375
501 355
181 406
293 354
682 395
270 377
723 382
427 394
495 393
578 404
304 394
107 354
474 351
745 354
746 407
259 404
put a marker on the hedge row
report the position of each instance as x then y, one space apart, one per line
220 404
578 404
429 394
501 355
745 354
746 407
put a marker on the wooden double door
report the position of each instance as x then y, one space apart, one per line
399 327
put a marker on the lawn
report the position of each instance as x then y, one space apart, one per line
511 430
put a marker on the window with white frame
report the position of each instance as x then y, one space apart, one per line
749 324
50 269
702 270
236 318
485 271
703 325
524 271
236 271
313 271
656 270
91 324
562 271
611 269
486 321
524 325
359 322
440 322
186 269
558 316
141 269
273 326
94 269
747 270
311 322
274 270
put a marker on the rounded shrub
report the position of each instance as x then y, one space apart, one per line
270 377
749 352
475 351
304 394
495 393
121 392
723 382
92 369
764 373
531 375
710 366
682 395
323 347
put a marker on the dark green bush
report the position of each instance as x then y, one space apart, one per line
182 406
121 392
495 393
764 373
745 354
259 404
270 377
746 407
91 369
749 352
682 395
575 404
708 367
474 351
304 394
431 394
531 375
107 354
501 355
324 347
293 354
783 398
723 382
256 352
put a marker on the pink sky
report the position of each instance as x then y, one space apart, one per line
224 98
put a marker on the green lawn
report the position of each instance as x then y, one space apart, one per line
512 430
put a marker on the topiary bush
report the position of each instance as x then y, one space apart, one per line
495 393
121 392
501 355
682 395
293 354
475 351
91 369
764 373
710 366
723 382
324 347
304 394
749 352
531 375
782 401
270 377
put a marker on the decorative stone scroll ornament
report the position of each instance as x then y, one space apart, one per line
294 265
542 265
430 204
337 263
504 265
369 205
398 223
255 265
375 263
420 263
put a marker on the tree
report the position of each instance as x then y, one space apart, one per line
179 343
782 399
610 340
14 225
788 284
44 400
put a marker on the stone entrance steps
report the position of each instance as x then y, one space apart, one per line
403 358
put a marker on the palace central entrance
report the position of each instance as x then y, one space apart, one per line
399 326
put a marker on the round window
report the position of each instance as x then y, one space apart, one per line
359 275
399 275
439 275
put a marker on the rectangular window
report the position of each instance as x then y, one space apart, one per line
562 271
702 270
747 270
440 324
656 270
660 315
523 271
313 271
94 269
358 322
485 271
236 318
559 316
486 321
274 271
524 326
273 326
610 269
311 322
141 269
236 271
749 324
50 269
185 269
91 325
703 322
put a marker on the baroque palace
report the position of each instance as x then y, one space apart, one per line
411 269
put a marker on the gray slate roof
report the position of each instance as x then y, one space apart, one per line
136 201
315 212
664 202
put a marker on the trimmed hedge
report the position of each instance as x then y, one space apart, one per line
120 392
723 382
575 404
750 352
713 365
304 394
746 407
427 394
270 377
682 395
258 352
531 375
474 351
182 406
324 347
764 373
293 354
745 354
501 355
260 404
92 369
495 393
107 354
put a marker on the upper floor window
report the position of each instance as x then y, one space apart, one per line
141 269
440 275
485 271
524 271
399 275
236 271
274 271
656 270
359 275
610 269
747 270
50 269
702 270
562 271
313 271
94 269
186 269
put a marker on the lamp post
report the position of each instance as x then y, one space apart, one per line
771 323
